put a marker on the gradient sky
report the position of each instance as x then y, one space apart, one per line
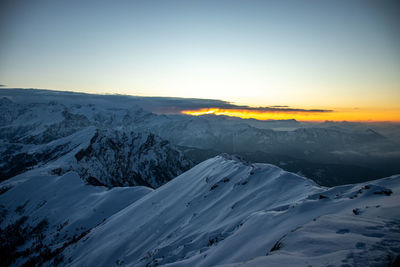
340 55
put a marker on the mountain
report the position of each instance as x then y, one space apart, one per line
123 158
41 214
224 211
101 150
64 158
329 153
101 157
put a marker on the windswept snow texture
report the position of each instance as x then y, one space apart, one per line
227 211
41 215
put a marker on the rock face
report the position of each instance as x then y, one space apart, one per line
124 158
104 157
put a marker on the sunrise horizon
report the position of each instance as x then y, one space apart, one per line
266 112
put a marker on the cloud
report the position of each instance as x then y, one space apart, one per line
160 105
171 105
2 85
174 105
281 109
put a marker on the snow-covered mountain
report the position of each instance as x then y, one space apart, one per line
97 141
123 158
101 157
329 153
224 211
64 156
40 214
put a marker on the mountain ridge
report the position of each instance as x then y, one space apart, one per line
223 211
231 212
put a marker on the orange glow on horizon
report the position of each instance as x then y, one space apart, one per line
360 115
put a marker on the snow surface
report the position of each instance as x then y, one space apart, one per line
224 211
70 206
227 211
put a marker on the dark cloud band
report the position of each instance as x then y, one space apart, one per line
161 105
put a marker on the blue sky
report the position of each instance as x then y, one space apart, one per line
320 54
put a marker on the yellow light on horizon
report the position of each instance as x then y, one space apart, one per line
360 115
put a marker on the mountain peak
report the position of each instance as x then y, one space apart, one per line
126 158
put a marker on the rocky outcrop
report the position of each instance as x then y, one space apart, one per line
126 158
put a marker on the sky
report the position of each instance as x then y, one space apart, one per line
342 56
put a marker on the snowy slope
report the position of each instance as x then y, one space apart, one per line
338 240
17 158
227 211
43 214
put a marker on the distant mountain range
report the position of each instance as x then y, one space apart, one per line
329 153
